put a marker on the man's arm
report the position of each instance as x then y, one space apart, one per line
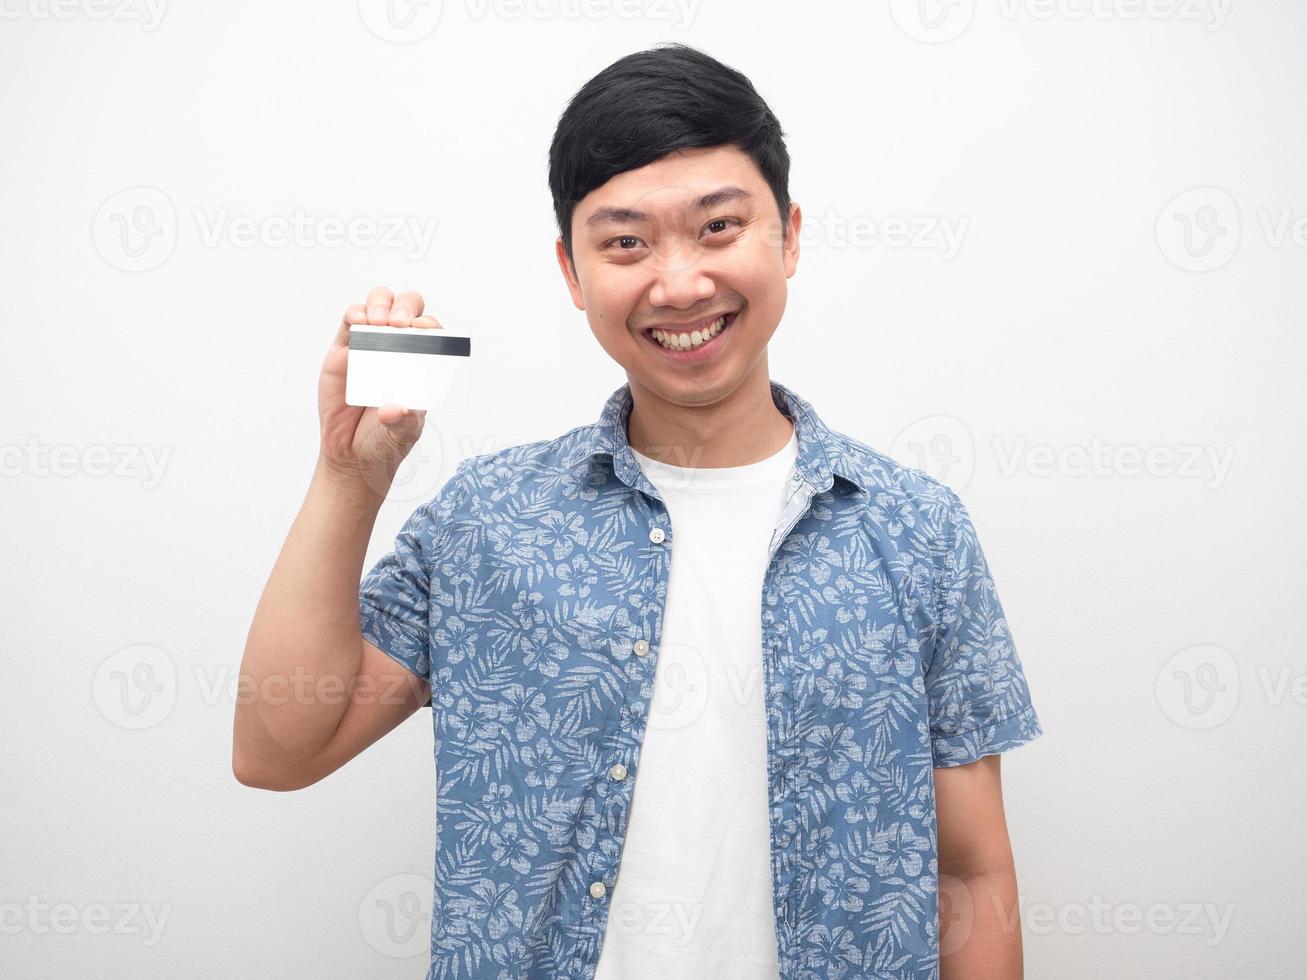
980 922
312 692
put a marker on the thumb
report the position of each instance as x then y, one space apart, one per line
403 425
396 416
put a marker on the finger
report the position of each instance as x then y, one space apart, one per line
389 414
407 305
392 412
426 322
379 300
356 313
397 418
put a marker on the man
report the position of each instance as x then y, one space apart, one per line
717 691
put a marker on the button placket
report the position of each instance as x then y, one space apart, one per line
631 714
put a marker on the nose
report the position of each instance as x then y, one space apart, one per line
681 278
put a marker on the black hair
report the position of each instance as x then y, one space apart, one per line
654 102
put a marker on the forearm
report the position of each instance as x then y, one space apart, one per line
304 648
980 927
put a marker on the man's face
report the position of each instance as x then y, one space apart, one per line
670 248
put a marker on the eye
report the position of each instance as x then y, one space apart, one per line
711 226
624 239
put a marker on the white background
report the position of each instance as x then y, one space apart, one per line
1157 607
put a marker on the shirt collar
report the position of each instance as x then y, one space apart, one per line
820 457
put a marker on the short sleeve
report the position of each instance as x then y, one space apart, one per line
395 595
977 695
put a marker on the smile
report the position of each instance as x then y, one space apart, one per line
679 340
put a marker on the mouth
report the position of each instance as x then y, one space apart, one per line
691 342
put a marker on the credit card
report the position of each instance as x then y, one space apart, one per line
416 367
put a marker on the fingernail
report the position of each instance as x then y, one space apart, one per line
378 313
400 313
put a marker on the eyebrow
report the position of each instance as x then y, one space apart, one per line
615 215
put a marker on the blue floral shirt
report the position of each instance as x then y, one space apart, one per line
530 593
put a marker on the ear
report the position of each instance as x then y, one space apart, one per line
791 246
569 273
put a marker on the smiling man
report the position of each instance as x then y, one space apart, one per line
716 690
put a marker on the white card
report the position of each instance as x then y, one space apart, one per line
416 367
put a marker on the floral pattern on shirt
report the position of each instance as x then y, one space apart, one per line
530 593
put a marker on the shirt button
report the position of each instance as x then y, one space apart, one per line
598 889
618 772
641 647
657 535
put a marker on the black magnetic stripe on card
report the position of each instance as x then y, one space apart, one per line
411 343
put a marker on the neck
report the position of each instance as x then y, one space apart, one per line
742 428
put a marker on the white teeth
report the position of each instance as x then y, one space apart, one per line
686 341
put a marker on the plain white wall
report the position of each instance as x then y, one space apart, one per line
1093 331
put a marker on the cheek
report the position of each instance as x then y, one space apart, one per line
762 289
755 271
613 303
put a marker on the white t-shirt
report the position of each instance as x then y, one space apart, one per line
693 894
